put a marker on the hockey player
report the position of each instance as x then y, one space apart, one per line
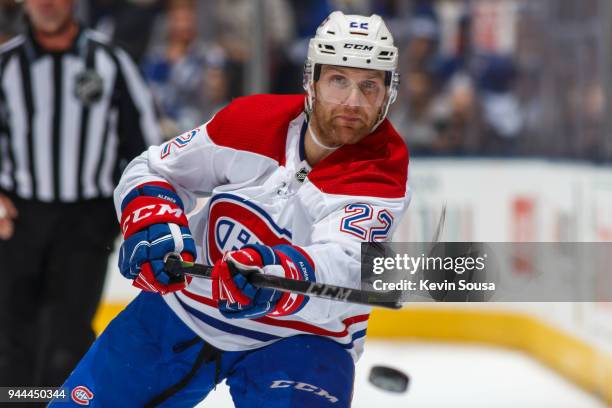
296 183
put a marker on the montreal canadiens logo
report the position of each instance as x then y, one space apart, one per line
81 395
235 222
178 142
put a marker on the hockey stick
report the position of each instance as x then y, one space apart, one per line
441 221
176 267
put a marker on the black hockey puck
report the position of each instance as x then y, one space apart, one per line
389 379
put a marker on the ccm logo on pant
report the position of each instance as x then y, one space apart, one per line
304 387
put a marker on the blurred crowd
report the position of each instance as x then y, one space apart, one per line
478 77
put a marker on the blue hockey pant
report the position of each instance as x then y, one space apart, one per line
148 357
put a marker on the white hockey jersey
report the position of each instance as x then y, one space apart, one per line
249 159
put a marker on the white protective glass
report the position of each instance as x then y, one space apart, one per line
336 87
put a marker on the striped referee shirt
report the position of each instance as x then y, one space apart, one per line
70 120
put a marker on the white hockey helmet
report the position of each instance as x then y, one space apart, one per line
353 41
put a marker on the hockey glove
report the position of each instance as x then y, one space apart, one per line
154 224
237 298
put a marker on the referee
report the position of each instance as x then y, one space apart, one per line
73 111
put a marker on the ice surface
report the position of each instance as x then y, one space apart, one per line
446 375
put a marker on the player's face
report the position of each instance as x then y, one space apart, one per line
347 103
49 16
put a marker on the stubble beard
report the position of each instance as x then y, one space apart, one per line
326 129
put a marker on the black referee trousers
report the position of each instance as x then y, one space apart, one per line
51 277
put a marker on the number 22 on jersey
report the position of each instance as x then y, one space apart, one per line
358 221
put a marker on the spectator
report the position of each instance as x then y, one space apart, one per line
234 27
415 118
423 43
501 112
187 78
119 18
433 114
307 17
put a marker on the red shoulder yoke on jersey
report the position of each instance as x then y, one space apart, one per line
257 124
377 166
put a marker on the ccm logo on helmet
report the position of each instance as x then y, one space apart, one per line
359 47
304 387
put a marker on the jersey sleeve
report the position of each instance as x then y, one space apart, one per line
343 223
194 165
238 145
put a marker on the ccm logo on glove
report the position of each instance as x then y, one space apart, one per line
154 224
144 211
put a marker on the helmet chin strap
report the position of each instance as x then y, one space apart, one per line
382 115
318 142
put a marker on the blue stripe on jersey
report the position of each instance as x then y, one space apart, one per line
302 140
252 334
355 336
219 325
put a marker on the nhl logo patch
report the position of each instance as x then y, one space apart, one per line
88 87
301 174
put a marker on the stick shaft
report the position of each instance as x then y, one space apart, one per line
314 289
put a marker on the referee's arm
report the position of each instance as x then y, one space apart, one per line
138 127
7 210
